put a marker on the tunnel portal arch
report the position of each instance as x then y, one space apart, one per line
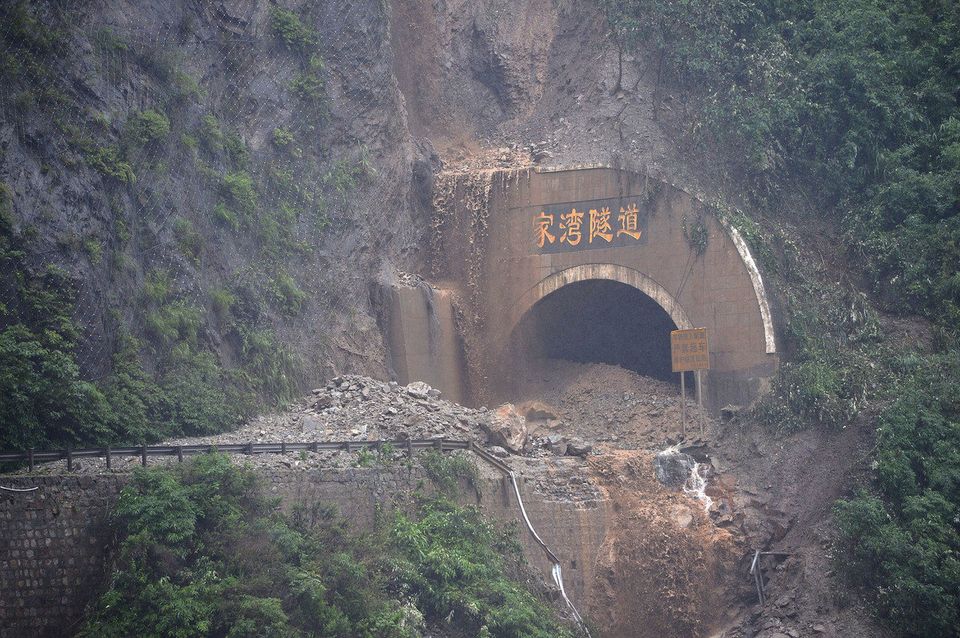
508 239
605 272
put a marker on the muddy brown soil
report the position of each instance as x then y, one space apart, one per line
609 405
664 569
495 85
668 568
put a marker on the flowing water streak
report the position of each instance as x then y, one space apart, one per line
696 487
557 571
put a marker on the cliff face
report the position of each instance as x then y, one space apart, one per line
226 182
212 177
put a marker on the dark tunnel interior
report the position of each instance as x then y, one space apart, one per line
598 321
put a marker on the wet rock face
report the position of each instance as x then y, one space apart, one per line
673 468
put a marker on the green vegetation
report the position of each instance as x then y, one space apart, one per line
904 544
295 35
446 471
24 29
188 239
147 128
202 552
287 294
107 41
240 192
108 160
452 562
859 98
269 367
310 84
282 137
167 327
94 249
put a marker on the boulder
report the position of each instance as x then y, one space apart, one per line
578 447
419 389
323 402
556 444
538 411
672 467
312 425
507 428
729 412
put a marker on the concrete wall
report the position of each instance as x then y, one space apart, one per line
54 542
720 288
423 339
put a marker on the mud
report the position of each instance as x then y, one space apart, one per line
664 568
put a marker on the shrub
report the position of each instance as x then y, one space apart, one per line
94 249
174 322
269 367
189 241
446 471
904 547
287 294
225 216
211 134
147 128
282 137
201 552
310 85
452 562
197 396
241 193
108 160
288 27
45 402
223 300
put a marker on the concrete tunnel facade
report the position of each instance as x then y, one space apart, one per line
504 241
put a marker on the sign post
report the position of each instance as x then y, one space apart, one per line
689 351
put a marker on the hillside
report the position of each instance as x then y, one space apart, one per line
202 205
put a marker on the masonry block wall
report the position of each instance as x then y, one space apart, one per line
53 545
55 542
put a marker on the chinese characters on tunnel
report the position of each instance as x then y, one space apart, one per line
605 223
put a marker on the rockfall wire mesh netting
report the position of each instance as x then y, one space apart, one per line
198 174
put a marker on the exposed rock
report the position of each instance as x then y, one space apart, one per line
729 412
496 450
673 467
507 429
419 390
577 447
538 411
556 444
312 425
681 516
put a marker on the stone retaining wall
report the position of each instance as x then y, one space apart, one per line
55 542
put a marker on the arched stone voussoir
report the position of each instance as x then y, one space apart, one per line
587 272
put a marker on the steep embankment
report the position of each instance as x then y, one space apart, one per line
586 99
220 181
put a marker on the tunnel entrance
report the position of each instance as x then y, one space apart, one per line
596 321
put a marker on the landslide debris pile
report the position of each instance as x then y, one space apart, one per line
358 408
609 404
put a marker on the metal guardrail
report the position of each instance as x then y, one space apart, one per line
32 457
179 451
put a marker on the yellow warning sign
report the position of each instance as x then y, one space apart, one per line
689 350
